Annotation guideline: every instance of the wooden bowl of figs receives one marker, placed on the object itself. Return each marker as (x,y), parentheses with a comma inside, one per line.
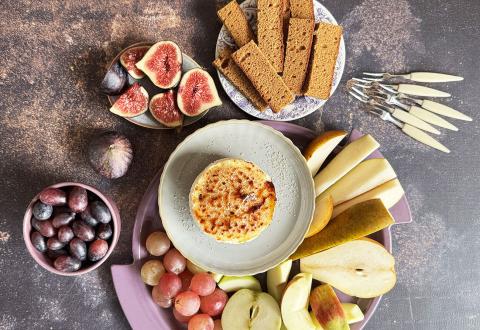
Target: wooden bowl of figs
(71,228)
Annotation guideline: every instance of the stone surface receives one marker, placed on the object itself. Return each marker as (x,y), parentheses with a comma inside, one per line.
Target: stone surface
(54,54)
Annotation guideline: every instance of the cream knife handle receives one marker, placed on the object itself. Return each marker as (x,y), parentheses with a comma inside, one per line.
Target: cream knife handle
(414,121)
(444,110)
(432,77)
(423,137)
(421,90)
(431,118)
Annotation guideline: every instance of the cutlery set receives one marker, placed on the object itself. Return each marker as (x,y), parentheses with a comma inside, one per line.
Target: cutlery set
(403,105)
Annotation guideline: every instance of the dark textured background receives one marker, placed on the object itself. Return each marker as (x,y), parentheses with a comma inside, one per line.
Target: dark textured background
(53,55)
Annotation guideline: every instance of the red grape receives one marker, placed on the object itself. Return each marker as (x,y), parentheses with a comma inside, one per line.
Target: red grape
(160,299)
(217,325)
(201,322)
(170,285)
(157,243)
(77,199)
(181,318)
(186,277)
(174,262)
(214,303)
(203,284)
(53,196)
(187,303)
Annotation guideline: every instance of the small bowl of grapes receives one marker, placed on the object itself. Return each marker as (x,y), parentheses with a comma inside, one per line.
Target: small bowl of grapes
(71,228)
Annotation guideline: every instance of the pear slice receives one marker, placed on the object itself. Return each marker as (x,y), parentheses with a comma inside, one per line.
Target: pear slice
(358,221)
(327,308)
(235,283)
(389,192)
(321,216)
(353,313)
(348,158)
(277,278)
(294,305)
(194,269)
(248,309)
(364,177)
(359,268)
(319,149)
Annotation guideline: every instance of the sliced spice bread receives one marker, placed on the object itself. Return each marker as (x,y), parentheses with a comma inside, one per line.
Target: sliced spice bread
(302,9)
(299,44)
(270,31)
(322,67)
(263,76)
(236,23)
(234,74)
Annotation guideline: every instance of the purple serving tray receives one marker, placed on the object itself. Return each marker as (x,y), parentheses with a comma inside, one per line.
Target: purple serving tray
(135,296)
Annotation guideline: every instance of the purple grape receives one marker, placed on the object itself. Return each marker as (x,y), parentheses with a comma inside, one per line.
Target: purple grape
(67,264)
(35,223)
(53,196)
(38,241)
(83,231)
(62,219)
(54,254)
(97,250)
(42,211)
(44,227)
(86,216)
(78,249)
(104,231)
(65,234)
(54,244)
(100,212)
(77,199)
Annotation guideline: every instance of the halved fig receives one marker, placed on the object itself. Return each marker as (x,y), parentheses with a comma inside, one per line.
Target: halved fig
(163,108)
(197,93)
(130,57)
(132,103)
(162,64)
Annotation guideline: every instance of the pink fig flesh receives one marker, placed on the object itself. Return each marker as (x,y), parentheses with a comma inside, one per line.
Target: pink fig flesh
(132,103)
(132,56)
(163,108)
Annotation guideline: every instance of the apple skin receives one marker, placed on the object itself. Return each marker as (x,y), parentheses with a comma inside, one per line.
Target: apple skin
(235,283)
(327,308)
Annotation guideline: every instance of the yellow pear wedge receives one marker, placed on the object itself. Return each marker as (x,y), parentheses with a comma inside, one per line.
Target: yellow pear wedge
(364,177)
(389,192)
(319,149)
(294,305)
(277,278)
(358,221)
(359,268)
(321,216)
(353,313)
(348,158)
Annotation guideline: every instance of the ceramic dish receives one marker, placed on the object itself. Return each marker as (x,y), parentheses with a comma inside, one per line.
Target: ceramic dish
(146,119)
(135,296)
(303,105)
(274,154)
(43,260)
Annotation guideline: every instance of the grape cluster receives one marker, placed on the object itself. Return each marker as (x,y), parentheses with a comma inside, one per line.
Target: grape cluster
(72,227)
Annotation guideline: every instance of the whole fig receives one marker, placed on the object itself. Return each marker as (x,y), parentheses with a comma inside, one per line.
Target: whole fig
(110,154)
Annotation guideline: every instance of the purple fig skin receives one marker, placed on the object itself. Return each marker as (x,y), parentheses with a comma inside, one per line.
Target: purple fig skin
(114,80)
(110,154)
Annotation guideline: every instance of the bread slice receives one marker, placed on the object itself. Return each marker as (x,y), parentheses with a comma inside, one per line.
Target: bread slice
(270,31)
(322,66)
(234,74)
(302,9)
(263,76)
(299,44)
(234,19)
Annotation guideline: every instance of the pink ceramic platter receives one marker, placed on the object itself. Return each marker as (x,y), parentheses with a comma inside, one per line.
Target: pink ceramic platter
(135,296)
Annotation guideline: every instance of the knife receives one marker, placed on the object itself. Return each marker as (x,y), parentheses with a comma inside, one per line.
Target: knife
(407,118)
(429,77)
(442,109)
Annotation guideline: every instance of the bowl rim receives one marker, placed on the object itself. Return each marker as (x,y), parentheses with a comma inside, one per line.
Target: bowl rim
(36,255)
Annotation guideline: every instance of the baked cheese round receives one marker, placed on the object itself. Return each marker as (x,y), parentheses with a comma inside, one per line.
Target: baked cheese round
(233,200)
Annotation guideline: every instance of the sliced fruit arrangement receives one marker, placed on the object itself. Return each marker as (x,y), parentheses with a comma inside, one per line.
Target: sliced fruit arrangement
(132,103)
(131,57)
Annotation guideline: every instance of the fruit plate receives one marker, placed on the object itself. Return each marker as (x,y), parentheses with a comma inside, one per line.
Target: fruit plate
(135,296)
(146,119)
(303,105)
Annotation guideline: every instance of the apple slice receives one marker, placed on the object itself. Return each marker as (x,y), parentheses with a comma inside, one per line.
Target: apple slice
(364,177)
(194,269)
(319,149)
(327,308)
(277,278)
(322,214)
(353,313)
(295,303)
(235,283)
(248,309)
(358,221)
(360,268)
(389,192)
(348,158)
